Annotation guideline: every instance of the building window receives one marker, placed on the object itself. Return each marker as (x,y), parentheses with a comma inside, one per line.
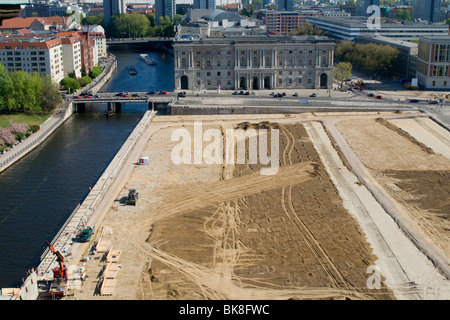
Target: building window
(218,73)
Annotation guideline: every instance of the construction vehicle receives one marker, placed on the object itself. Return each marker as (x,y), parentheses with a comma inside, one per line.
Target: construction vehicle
(59,273)
(132,197)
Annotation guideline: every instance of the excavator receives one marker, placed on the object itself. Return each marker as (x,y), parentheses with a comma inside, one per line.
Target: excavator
(61,271)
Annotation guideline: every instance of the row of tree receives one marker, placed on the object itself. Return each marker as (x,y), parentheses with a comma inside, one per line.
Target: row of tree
(135,25)
(375,59)
(72,83)
(27,92)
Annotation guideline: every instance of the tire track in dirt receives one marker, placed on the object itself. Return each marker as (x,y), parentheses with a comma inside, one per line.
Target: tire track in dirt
(328,266)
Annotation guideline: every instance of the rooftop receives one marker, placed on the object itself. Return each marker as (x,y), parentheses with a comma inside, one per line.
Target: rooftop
(361,22)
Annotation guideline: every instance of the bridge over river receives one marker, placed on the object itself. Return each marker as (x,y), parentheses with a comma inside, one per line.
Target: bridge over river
(116,100)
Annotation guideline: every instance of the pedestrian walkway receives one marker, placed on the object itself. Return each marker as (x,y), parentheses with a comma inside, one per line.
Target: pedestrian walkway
(28,144)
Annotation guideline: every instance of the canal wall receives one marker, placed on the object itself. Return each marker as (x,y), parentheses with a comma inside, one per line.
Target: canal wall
(51,124)
(85,214)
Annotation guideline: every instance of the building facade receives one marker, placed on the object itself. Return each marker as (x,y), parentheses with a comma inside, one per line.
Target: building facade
(284,22)
(41,55)
(253,62)
(428,10)
(164,8)
(350,28)
(362,5)
(112,7)
(433,63)
(285,5)
(205,4)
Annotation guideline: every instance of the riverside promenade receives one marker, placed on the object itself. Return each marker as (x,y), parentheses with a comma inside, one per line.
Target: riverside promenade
(61,114)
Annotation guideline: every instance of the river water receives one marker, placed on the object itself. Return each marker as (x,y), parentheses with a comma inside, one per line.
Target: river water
(40,191)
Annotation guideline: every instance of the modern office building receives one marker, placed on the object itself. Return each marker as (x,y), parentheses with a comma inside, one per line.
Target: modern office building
(285,5)
(350,28)
(164,8)
(433,62)
(205,4)
(428,10)
(112,7)
(362,5)
(253,62)
(284,22)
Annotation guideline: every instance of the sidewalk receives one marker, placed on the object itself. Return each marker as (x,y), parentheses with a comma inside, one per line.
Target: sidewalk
(22,148)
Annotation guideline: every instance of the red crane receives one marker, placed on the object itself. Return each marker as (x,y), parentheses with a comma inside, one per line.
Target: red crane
(61,271)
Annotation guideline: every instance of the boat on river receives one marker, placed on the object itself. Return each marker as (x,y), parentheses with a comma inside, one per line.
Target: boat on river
(132,71)
(147,59)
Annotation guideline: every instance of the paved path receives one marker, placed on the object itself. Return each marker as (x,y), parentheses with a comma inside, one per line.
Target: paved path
(21,149)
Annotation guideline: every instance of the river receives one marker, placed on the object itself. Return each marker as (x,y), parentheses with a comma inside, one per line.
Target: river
(40,191)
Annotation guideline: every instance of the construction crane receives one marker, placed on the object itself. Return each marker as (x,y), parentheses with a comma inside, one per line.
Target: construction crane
(61,271)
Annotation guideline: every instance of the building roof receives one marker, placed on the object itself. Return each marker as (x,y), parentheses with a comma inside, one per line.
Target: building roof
(20,23)
(219,15)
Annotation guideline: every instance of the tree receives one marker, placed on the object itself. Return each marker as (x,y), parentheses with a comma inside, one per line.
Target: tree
(307,29)
(343,71)
(70,84)
(130,25)
(6,89)
(372,58)
(95,72)
(50,97)
(27,90)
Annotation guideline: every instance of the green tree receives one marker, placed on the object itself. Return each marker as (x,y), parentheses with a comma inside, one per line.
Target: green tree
(27,91)
(95,72)
(90,20)
(131,25)
(372,58)
(84,80)
(342,72)
(307,29)
(50,97)
(6,89)
(70,84)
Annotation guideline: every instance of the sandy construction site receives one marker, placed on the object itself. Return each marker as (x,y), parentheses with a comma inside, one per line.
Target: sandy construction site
(358,209)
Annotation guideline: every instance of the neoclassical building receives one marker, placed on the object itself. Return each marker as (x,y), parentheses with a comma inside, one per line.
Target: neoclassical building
(253,62)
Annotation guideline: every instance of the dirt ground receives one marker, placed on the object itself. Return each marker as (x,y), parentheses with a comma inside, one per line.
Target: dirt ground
(410,170)
(224,231)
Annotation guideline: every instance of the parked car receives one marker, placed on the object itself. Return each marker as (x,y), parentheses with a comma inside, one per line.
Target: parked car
(247,93)
(163,92)
(278,95)
(313,95)
(379,97)
(371,95)
(434,102)
(135,95)
(182,94)
(414,100)
(86,234)
(97,96)
(295,94)
(235,93)
(241,92)
(124,95)
(151,92)
(77,97)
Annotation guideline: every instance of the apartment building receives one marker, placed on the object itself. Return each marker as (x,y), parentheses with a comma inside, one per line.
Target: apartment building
(433,62)
(253,62)
(71,48)
(41,55)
